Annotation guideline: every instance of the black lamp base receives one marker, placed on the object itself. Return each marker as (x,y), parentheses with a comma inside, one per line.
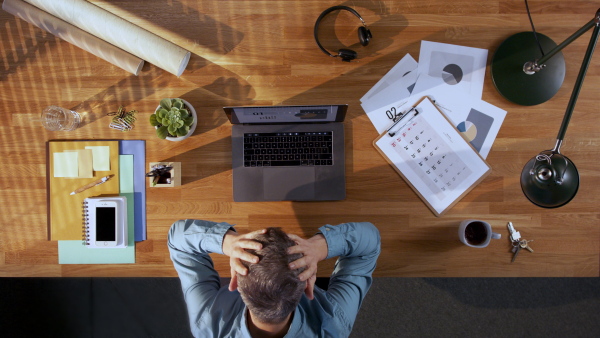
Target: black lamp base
(550,183)
(510,79)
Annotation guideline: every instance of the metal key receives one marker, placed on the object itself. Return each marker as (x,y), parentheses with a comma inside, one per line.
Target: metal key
(518,248)
(525,245)
(515,236)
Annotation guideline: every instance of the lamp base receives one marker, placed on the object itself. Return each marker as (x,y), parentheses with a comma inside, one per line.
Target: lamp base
(510,79)
(550,180)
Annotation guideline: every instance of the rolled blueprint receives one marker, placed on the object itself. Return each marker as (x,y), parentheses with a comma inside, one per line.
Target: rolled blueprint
(119,32)
(74,35)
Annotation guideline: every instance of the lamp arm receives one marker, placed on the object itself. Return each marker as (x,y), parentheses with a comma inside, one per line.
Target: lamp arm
(578,83)
(575,36)
(532,67)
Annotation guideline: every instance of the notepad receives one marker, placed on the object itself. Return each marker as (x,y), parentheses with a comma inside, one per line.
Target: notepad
(432,156)
(95,222)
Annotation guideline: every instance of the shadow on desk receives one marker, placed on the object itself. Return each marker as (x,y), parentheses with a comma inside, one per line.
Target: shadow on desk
(218,153)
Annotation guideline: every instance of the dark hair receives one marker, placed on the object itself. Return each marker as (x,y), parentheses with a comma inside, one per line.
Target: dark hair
(271,290)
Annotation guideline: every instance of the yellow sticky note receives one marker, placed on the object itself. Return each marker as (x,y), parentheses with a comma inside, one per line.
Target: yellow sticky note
(85,160)
(101,157)
(66,164)
(85,163)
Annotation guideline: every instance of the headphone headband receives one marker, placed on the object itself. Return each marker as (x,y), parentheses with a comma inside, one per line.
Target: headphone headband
(337,8)
(363,33)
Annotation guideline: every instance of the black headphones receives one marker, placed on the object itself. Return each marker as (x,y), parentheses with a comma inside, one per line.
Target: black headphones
(364,34)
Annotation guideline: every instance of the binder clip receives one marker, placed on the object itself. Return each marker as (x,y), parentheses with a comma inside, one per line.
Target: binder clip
(122,120)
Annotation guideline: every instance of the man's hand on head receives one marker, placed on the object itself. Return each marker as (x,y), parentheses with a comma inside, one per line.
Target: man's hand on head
(313,250)
(234,246)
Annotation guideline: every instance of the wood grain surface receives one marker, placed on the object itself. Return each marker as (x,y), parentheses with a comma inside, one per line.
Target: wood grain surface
(263,53)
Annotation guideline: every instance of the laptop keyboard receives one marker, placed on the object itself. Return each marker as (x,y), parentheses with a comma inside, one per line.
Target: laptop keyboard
(288,149)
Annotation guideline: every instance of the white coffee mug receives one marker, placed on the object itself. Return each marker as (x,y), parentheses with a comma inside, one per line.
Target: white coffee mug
(476,234)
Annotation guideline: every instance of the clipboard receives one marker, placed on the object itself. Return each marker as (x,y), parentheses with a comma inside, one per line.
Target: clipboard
(432,156)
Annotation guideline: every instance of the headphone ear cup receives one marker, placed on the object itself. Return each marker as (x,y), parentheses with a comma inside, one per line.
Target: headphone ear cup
(364,35)
(347,54)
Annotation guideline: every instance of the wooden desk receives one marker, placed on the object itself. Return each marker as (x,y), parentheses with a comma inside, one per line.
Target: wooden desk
(263,53)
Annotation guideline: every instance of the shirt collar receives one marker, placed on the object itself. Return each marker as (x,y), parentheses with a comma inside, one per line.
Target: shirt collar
(292,331)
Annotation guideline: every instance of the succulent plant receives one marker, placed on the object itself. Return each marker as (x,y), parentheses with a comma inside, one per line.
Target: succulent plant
(171,119)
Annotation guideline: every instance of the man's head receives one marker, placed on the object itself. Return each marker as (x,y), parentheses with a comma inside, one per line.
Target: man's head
(271,290)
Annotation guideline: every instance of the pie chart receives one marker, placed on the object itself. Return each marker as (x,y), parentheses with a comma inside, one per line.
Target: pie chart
(452,74)
(468,130)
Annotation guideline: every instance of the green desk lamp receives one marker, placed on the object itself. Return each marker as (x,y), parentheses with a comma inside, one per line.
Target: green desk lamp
(550,179)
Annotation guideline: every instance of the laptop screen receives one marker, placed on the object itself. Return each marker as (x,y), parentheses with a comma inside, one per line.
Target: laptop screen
(286,114)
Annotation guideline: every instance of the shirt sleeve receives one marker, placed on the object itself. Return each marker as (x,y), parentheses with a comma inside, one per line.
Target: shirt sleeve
(358,247)
(190,242)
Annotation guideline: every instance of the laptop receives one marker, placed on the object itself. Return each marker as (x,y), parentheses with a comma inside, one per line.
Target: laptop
(288,153)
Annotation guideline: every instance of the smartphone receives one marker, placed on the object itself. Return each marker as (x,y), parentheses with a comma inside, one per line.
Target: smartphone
(106,224)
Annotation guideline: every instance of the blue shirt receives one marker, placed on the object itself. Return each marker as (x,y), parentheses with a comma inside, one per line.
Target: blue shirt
(214,311)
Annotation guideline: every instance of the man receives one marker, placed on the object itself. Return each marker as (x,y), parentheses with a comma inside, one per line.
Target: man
(264,303)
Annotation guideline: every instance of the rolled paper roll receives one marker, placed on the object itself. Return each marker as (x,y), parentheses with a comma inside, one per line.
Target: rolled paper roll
(74,35)
(119,32)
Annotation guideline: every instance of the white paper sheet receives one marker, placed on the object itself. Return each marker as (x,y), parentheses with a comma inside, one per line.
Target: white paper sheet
(399,72)
(399,90)
(383,117)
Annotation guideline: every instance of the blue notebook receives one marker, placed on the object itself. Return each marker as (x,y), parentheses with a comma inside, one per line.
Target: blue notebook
(137,148)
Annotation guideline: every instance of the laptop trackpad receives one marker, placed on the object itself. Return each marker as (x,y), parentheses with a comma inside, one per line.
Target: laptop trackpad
(289,184)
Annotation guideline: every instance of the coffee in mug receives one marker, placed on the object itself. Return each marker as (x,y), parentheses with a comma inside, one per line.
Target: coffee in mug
(476,233)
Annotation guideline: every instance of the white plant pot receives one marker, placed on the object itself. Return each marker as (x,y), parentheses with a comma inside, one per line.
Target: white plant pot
(192,127)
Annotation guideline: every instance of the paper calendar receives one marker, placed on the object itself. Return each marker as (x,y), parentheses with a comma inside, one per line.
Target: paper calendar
(432,156)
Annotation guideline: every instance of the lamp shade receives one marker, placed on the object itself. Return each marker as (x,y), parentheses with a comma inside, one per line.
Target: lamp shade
(550,179)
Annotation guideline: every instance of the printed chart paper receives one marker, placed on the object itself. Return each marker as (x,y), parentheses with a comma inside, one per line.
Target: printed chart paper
(452,76)
(452,67)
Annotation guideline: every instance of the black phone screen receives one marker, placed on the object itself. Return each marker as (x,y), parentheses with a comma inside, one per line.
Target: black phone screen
(105,224)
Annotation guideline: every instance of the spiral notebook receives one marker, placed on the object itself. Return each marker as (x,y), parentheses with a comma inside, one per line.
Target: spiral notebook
(432,156)
(91,218)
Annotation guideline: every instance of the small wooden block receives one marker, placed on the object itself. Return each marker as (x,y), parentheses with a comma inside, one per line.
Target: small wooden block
(175,175)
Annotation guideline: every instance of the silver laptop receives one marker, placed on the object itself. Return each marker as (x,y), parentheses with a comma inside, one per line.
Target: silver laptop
(288,153)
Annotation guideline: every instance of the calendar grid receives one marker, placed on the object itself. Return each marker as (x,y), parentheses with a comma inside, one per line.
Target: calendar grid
(430,157)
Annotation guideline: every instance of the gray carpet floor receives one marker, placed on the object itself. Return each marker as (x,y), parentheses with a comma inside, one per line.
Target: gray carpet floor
(394,307)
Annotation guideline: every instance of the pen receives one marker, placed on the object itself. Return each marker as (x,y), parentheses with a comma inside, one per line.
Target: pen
(390,133)
(93,184)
